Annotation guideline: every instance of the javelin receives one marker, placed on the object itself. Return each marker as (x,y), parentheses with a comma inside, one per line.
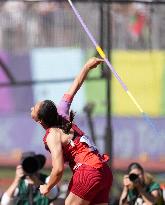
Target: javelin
(103,55)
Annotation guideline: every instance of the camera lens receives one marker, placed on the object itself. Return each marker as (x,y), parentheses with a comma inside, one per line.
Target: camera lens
(133,177)
(30,165)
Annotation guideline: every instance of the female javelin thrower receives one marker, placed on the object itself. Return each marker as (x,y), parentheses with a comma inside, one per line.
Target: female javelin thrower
(92,177)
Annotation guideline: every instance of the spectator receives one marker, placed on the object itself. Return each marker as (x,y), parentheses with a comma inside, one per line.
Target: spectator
(46,12)
(24,189)
(163,190)
(139,188)
(13,19)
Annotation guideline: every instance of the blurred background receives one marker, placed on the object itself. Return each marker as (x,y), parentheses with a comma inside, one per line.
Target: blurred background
(43,47)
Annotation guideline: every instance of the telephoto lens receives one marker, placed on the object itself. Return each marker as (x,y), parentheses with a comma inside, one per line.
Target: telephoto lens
(30,165)
(31,162)
(133,177)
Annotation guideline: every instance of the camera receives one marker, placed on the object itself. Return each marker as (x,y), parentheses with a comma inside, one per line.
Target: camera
(133,177)
(32,162)
(30,165)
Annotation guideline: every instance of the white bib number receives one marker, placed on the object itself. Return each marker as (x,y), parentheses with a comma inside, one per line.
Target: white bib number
(89,142)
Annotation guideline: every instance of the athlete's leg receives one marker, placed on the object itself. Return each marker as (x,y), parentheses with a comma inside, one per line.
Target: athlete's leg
(73,199)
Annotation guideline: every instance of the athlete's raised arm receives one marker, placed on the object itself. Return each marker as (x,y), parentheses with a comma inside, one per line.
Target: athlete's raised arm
(78,81)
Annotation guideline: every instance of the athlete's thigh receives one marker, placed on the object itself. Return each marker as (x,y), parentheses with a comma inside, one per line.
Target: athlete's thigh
(73,199)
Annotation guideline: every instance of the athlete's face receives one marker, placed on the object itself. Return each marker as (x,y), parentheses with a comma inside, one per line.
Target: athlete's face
(34,111)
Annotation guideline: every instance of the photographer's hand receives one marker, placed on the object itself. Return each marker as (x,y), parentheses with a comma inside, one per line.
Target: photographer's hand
(127,184)
(149,198)
(18,175)
(126,181)
(19,172)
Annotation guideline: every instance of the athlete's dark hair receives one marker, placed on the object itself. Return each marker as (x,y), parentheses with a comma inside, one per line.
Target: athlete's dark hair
(50,117)
(135,165)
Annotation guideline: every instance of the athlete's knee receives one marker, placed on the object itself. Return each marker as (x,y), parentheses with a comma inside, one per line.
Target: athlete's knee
(69,201)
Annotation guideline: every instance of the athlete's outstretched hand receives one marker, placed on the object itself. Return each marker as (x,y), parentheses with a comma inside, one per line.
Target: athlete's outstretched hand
(93,62)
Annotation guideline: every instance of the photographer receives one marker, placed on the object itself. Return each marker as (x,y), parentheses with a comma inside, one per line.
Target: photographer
(24,190)
(139,188)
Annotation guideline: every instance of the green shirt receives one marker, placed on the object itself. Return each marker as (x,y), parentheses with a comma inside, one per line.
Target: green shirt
(23,197)
(135,199)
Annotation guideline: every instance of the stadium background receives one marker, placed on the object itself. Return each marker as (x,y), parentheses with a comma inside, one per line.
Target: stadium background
(43,47)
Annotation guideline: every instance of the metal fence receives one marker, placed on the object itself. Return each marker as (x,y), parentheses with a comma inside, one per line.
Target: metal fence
(27,25)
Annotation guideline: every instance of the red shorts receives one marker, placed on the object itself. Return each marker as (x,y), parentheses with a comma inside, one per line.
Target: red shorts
(92,184)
